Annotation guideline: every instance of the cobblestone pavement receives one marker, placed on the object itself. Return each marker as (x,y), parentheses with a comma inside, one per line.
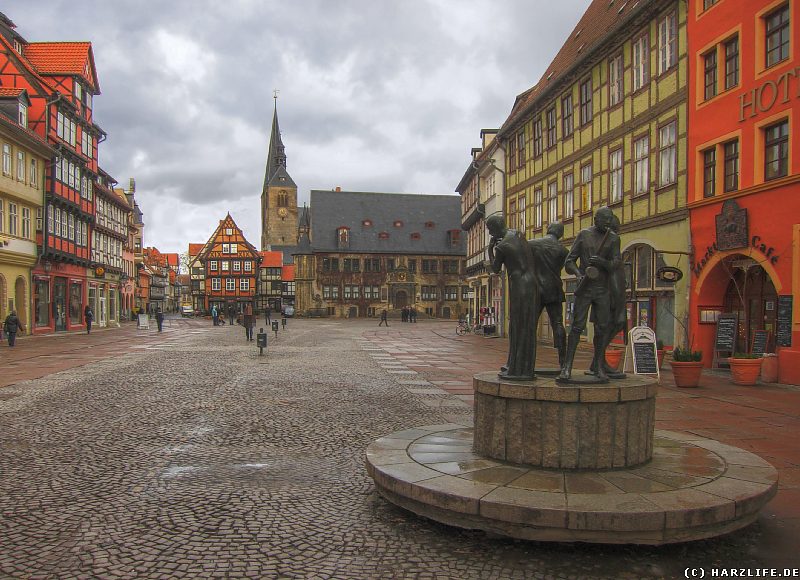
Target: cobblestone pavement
(193,457)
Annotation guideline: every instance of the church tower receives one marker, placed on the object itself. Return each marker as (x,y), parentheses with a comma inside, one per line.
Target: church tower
(278,196)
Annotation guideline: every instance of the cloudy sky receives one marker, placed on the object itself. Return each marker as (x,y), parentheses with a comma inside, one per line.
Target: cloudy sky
(375,95)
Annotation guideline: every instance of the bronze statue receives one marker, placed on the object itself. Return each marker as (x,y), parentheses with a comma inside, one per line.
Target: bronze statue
(548,258)
(509,248)
(594,256)
(619,312)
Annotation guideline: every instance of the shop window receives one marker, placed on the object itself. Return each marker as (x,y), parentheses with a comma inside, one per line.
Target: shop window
(75,303)
(41,302)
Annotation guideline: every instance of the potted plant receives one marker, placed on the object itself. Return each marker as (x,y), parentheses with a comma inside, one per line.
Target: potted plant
(660,352)
(745,368)
(614,356)
(687,366)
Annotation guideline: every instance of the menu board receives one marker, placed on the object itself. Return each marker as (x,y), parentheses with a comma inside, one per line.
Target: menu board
(726,333)
(645,361)
(783,335)
(759,342)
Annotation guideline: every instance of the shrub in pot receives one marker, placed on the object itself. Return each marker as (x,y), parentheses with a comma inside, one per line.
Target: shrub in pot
(614,356)
(687,366)
(745,368)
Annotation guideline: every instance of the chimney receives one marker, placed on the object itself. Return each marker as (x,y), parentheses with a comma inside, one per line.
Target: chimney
(132,186)
(338,188)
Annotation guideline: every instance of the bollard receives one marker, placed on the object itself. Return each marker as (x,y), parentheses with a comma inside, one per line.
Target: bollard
(275,327)
(283,321)
(261,341)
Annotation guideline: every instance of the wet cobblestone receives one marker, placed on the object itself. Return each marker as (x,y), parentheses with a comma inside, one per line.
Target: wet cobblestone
(200,459)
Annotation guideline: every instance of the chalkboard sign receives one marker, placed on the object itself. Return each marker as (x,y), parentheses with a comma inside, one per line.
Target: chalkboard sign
(760,338)
(726,333)
(783,336)
(645,361)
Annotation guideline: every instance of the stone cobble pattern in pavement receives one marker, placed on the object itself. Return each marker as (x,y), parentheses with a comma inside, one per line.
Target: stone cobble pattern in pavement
(194,457)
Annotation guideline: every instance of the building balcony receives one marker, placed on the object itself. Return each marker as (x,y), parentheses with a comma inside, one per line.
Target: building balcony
(473,216)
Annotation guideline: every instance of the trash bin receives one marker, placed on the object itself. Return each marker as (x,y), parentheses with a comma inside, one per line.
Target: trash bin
(769,368)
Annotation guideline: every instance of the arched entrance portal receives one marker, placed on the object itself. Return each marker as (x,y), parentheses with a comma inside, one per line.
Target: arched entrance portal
(400,299)
(752,296)
(20,301)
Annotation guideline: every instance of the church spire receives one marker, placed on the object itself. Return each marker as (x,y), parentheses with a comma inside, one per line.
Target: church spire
(276,155)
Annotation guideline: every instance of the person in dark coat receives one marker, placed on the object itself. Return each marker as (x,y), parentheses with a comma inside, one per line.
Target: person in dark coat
(248,321)
(12,325)
(215,315)
(548,257)
(412,314)
(510,249)
(159,319)
(384,318)
(231,313)
(404,314)
(88,316)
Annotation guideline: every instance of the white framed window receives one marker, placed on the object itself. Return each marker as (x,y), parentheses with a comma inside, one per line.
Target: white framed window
(23,115)
(248,266)
(641,60)
(216,284)
(20,165)
(72,227)
(667,155)
(521,210)
(6,159)
(50,219)
(12,218)
(667,42)
(33,178)
(226,265)
(641,167)
(213,265)
(552,202)
(228,231)
(226,248)
(569,195)
(615,87)
(537,208)
(2,216)
(586,188)
(234,248)
(38,219)
(230,283)
(615,176)
(244,284)
(237,266)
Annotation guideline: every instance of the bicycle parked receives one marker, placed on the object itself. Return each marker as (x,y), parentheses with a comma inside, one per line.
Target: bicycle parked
(464,328)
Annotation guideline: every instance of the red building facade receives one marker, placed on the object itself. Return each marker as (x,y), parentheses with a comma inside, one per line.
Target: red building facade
(61,82)
(744,175)
(231,264)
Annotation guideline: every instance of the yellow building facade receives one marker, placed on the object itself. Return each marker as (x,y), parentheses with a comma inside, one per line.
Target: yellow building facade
(24,157)
(606,126)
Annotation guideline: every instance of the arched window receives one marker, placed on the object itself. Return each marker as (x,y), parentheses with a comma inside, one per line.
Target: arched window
(343,237)
(283,198)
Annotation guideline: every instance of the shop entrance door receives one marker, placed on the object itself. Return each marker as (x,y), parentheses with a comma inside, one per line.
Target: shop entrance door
(101,310)
(60,303)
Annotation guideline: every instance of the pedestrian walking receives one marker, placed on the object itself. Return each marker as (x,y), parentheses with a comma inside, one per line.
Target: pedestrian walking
(267,315)
(231,313)
(159,319)
(214,315)
(11,326)
(404,314)
(413,314)
(88,316)
(248,320)
(384,318)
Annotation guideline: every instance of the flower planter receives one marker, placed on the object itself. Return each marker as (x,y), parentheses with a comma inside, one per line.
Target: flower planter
(613,357)
(687,374)
(745,371)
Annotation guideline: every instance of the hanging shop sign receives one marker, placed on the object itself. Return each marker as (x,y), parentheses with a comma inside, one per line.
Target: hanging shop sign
(669,274)
(99,272)
(732,231)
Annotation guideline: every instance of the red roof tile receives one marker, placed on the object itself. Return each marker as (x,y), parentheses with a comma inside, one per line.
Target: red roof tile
(271,259)
(63,58)
(172,259)
(10,92)
(195,249)
(287,273)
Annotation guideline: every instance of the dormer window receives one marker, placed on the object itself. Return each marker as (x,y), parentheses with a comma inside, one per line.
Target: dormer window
(366,224)
(398,224)
(429,225)
(383,236)
(454,238)
(23,115)
(18,46)
(78,89)
(343,237)
(416,236)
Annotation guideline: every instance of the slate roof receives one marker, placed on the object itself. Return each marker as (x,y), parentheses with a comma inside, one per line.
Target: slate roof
(602,19)
(331,210)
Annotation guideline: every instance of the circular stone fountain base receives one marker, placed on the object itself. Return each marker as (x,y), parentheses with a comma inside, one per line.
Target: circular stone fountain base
(693,488)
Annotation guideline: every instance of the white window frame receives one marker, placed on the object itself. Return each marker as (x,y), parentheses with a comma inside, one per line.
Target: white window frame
(6,159)
(213,265)
(587,193)
(33,178)
(2,216)
(616,89)
(244,284)
(226,248)
(667,151)
(20,166)
(667,42)
(641,61)
(225,266)
(23,115)
(537,208)
(641,165)
(237,266)
(569,195)
(248,266)
(230,284)
(234,248)
(552,202)
(216,284)
(13,213)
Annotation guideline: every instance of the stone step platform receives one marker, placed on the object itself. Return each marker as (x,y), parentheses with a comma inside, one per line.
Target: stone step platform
(693,488)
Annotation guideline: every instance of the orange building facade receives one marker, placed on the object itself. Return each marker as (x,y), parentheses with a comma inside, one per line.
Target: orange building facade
(230,264)
(744,175)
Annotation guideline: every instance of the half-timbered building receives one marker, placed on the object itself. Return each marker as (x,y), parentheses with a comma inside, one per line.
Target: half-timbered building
(231,264)
(60,81)
(606,125)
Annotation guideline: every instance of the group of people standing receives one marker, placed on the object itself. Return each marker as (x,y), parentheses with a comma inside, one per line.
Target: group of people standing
(408,314)
(534,278)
